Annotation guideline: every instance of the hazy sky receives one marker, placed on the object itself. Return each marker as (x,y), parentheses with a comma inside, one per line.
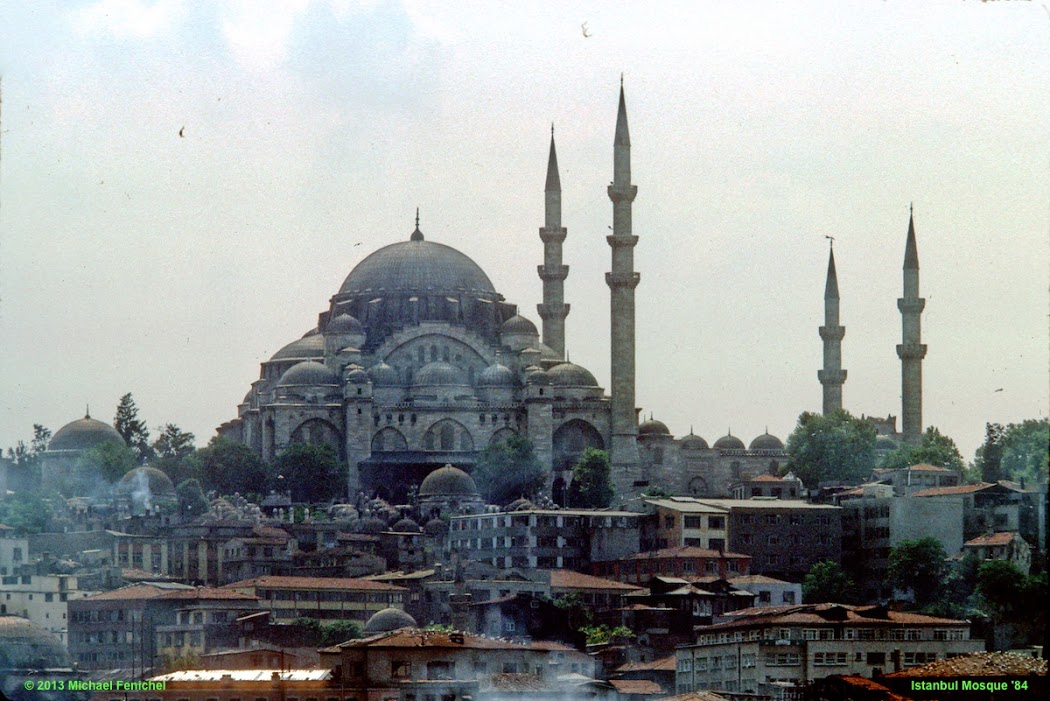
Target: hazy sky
(133,259)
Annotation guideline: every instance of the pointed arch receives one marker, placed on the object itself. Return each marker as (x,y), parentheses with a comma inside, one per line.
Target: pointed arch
(571,439)
(388,439)
(448,435)
(502,436)
(319,432)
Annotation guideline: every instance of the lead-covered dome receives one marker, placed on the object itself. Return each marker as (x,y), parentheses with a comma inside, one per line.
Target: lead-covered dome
(388,620)
(440,373)
(24,645)
(571,375)
(767,441)
(519,324)
(383,375)
(497,375)
(308,373)
(652,427)
(84,434)
(158,482)
(694,442)
(419,266)
(307,347)
(448,481)
(729,442)
(344,324)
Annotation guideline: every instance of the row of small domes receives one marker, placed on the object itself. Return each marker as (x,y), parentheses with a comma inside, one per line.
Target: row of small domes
(766,441)
(437,373)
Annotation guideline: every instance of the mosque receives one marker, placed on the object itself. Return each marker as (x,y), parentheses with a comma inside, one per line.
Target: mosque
(419,362)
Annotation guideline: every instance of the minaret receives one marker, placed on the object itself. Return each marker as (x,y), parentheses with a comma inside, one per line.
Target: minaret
(832,376)
(622,281)
(911,351)
(554,309)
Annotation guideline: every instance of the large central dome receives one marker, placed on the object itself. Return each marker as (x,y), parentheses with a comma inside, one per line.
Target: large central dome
(417,267)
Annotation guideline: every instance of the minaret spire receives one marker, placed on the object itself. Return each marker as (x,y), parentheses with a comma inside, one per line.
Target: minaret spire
(832,376)
(554,309)
(622,281)
(912,350)
(417,235)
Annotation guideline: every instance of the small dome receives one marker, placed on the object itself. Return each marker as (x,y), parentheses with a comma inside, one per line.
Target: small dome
(435,527)
(652,427)
(521,504)
(440,373)
(371,524)
(383,375)
(344,324)
(83,434)
(767,442)
(406,525)
(448,481)
(694,442)
(159,483)
(518,324)
(309,373)
(571,375)
(310,346)
(24,645)
(885,443)
(388,620)
(536,375)
(497,375)
(729,442)
(357,376)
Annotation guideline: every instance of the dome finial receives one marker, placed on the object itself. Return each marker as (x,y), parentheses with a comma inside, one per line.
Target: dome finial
(87,411)
(417,235)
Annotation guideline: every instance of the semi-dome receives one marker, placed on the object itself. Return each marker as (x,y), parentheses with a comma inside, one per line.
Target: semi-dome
(571,375)
(652,427)
(729,442)
(448,481)
(767,441)
(440,373)
(518,324)
(435,527)
(344,324)
(694,442)
(497,375)
(535,375)
(24,645)
(310,373)
(84,434)
(383,375)
(357,376)
(417,266)
(159,483)
(307,347)
(388,620)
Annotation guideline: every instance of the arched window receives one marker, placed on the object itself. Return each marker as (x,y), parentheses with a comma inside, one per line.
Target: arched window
(448,437)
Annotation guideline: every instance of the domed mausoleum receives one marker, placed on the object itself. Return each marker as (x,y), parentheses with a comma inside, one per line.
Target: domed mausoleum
(71,441)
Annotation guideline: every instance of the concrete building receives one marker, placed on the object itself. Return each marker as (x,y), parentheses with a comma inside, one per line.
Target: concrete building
(764,650)
(916,478)
(998,506)
(769,591)
(1008,546)
(545,539)
(874,522)
(41,598)
(688,561)
(327,600)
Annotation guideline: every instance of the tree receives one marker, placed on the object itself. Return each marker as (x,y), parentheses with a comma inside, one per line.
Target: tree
(827,582)
(508,470)
(174,453)
(920,566)
(228,466)
(934,449)
(26,513)
(989,457)
(1014,598)
(833,448)
(591,486)
(312,473)
(190,498)
(107,461)
(26,458)
(1026,451)
(132,429)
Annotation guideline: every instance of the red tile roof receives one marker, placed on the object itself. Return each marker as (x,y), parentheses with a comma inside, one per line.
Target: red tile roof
(684,551)
(416,638)
(642,687)
(1003,538)
(664,664)
(136,592)
(825,614)
(206,593)
(276,582)
(979,664)
(926,467)
(567,579)
(767,478)
(958,489)
(697,696)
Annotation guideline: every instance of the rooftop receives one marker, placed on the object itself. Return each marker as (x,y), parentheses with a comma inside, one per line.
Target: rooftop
(568,579)
(684,551)
(276,582)
(979,664)
(416,638)
(245,675)
(819,614)
(1003,538)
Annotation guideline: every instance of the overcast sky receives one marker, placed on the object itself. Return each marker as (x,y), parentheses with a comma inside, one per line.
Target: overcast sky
(135,258)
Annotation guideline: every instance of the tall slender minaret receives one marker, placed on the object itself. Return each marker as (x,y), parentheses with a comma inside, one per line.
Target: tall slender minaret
(832,376)
(622,281)
(911,351)
(554,309)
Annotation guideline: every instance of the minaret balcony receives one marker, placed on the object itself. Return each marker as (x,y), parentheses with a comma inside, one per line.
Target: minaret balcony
(622,193)
(552,273)
(553,235)
(629,280)
(832,333)
(552,311)
(831,377)
(615,240)
(911,351)
(914,305)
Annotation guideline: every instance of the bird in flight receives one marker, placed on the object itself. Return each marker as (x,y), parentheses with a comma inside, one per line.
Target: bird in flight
(583,28)
(181,134)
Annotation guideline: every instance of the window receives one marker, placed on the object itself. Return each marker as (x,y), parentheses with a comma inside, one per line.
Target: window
(916,658)
(668,521)
(876,658)
(685,665)
(783,659)
(764,597)
(717,544)
(829,658)
(400,669)
(693,522)
(717,522)
(788,597)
